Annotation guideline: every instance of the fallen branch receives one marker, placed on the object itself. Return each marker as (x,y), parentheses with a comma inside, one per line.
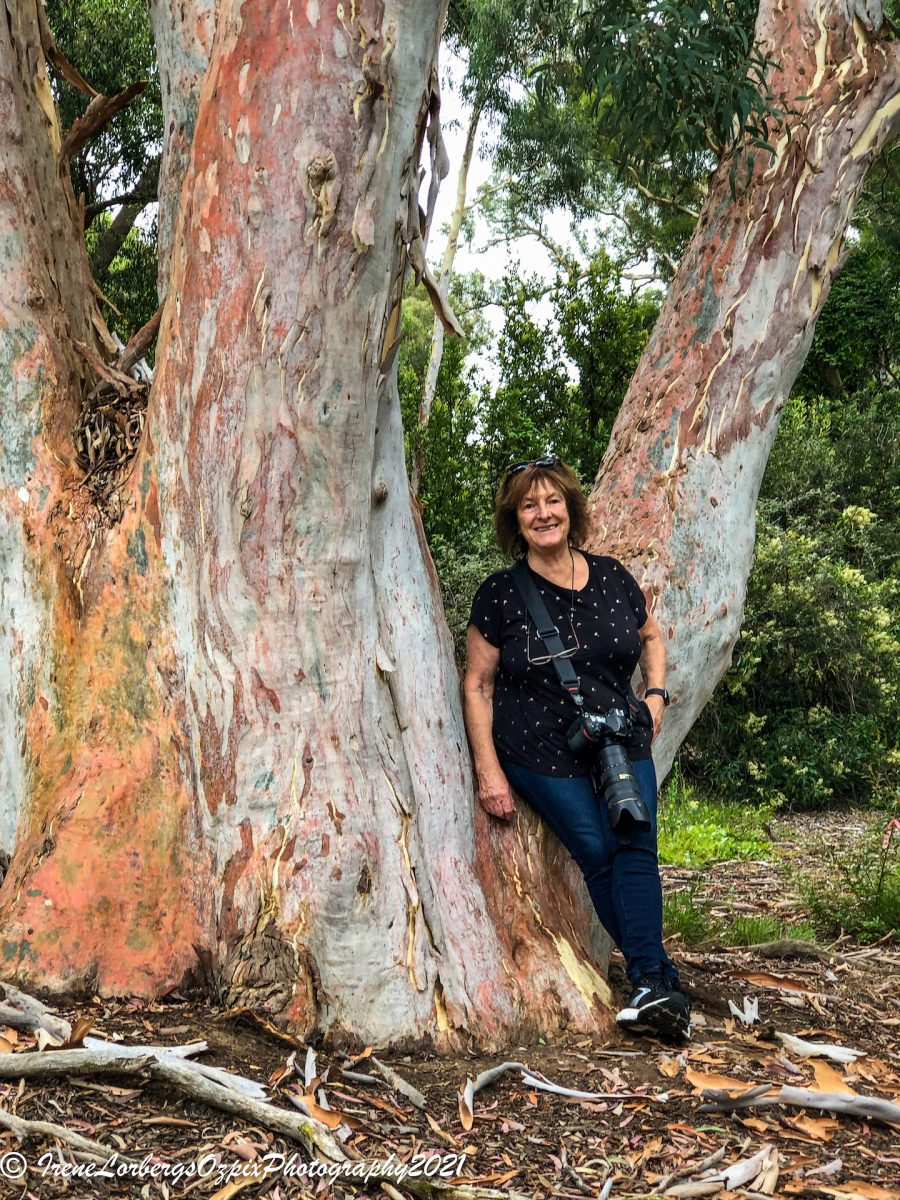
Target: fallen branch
(47,1064)
(181,1054)
(545,1085)
(178,1074)
(24,1012)
(27,1131)
(295,1125)
(863,1107)
(430,1190)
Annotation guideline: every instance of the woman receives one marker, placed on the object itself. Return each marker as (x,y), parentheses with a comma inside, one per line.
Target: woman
(518,714)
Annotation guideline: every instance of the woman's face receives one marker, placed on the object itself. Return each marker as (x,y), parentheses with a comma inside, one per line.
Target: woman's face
(544,518)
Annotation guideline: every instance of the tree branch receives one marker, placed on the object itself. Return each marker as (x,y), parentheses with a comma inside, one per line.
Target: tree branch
(94,117)
(145,190)
(140,342)
(111,240)
(53,53)
(661,200)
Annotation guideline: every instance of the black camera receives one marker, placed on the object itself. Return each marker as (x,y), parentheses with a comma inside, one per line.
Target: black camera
(601,735)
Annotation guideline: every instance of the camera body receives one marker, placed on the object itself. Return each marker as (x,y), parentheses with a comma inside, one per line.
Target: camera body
(601,735)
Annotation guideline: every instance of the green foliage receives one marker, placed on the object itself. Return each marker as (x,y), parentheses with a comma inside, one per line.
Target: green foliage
(618,108)
(695,830)
(861,894)
(688,918)
(807,715)
(667,77)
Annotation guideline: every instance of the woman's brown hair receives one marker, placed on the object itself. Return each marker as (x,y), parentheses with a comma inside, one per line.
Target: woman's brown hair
(515,488)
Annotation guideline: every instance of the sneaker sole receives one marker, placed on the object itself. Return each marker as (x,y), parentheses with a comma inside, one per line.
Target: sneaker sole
(655,1018)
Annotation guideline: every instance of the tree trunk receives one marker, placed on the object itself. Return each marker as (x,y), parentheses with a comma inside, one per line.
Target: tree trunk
(252,740)
(676,492)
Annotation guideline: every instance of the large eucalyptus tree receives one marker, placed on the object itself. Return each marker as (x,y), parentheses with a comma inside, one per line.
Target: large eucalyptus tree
(229,719)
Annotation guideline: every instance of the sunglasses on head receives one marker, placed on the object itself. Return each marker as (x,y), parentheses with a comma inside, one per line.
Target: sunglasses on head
(549,460)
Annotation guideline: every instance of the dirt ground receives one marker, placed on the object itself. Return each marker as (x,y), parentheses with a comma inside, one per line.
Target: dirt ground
(647,1135)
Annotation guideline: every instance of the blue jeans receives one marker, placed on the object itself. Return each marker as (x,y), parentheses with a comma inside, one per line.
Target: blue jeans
(622,877)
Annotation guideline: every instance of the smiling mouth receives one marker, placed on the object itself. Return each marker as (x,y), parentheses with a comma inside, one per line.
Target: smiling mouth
(545,528)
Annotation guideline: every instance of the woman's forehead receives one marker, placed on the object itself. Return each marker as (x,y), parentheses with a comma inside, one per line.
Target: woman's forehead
(542,489)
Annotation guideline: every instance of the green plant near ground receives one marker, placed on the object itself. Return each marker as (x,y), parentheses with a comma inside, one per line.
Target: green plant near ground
(695,830)
(861,896)
(751,931)
(688,918)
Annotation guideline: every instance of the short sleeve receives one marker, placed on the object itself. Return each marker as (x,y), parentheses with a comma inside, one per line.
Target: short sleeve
(635,595)
(487,611)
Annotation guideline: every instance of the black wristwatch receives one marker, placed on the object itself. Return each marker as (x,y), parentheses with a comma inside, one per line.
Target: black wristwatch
(658,692)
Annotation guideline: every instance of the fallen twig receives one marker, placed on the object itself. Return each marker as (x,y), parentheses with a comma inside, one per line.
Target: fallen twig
(737,1175)
(692,1169)
(31,1130)
(570,1170)
(399,1083)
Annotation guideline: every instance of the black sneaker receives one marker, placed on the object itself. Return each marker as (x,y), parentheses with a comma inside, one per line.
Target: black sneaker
(656,1007)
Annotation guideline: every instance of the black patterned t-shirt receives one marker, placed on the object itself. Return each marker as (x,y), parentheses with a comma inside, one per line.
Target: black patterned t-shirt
(532,712)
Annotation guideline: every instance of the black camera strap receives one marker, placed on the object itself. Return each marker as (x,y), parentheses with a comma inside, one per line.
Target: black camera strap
(536,611)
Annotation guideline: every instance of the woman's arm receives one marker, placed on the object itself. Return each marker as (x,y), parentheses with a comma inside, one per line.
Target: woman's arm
(482,660)
(653,667)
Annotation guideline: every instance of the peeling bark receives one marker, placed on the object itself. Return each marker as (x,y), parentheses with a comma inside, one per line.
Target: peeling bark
(676,492)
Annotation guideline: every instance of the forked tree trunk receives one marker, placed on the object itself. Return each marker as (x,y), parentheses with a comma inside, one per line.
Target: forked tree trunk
(676,492)
(231,717)
(250,738)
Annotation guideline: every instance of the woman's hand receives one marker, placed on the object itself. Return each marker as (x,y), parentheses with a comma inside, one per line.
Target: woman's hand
(657,707)
(495,794)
